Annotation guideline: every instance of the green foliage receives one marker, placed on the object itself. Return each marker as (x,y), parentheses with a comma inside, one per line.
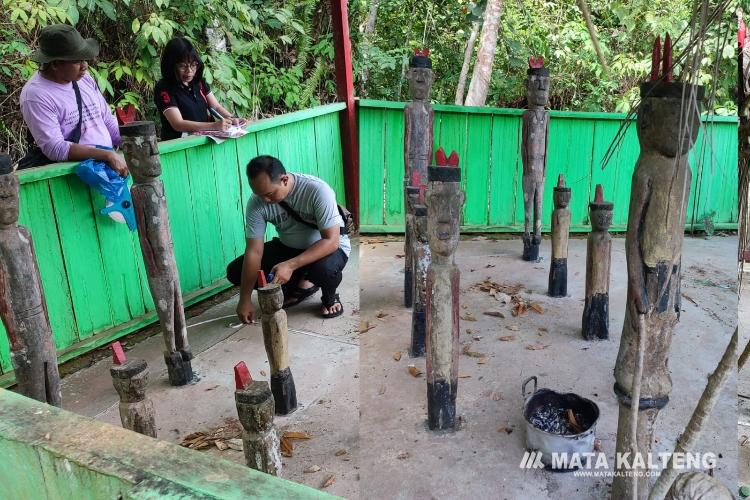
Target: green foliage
(555,30)
(279,55)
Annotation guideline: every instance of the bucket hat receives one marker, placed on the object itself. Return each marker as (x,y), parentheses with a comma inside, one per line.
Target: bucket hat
(62,42)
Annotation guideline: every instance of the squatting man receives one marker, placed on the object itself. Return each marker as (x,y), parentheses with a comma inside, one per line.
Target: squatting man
(311,249)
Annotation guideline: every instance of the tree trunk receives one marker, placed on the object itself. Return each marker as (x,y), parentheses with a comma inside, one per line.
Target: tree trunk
(592,33)
(372,16)
(467,61)
(480,79)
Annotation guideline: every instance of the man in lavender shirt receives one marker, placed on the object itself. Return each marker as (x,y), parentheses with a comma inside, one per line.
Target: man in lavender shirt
(49,107)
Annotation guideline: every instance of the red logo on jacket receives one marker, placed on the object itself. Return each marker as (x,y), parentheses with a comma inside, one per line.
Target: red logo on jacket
(165,97)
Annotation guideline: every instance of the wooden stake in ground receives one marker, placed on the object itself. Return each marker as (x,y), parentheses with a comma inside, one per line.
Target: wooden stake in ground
(22,305)
(558,270)
(656,222)
(698,485)
(421,263)
(418,118)
(150,204)
(445,200)
(595,324)
(410,199)
(534,155)
(130,379)
(276,339)
(260,441)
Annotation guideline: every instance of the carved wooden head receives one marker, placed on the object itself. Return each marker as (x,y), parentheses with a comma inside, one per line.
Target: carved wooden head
(537,90)
(420,83)
(668,122)
(561,193)
(8,199)
(272,298)
(141,150)
(600,211)
(444,199)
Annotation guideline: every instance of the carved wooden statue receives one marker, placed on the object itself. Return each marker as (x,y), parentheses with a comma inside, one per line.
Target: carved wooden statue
(534,155)
(260,441)
(150,203)
(558,270)
(418,116)
(130,379)
(412,193)
(656,222)
(421,263)
(444,200)
(276,339)
(595,324)
(22,305)
(698,485)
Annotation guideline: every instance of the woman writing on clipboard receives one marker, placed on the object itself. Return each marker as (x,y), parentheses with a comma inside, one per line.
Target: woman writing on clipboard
(184,100)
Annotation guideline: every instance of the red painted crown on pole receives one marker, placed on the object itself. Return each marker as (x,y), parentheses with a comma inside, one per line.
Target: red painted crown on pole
(118,354)
(665,61)
(536,62)
(242,378)
(442,161)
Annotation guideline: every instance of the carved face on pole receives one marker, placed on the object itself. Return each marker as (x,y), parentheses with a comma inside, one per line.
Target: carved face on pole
(134,136)
(561,197)
(444,202)
(537,89)
(8,199)
(601,216)
(669,117)
(273,298)
(420,75)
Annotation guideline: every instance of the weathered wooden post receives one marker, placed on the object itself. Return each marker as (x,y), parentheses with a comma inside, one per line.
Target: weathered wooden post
(444,201)
(534,155)
(150,204)
(668,123)
(421,263)
(276,339)
(558,269)
(595,324)
(412,192)
(698,485)
(260,441)
(22,305)
(130,379)
(418,117)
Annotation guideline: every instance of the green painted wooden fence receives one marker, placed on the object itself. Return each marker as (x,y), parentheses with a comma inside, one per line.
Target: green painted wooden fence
(488,142)
(91,267)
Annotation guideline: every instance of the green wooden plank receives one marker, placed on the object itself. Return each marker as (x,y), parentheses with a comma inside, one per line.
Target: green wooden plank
(372,165)
(328,153)
(247,149)
(202,168)
(506,170)
(569,152)
(449,132)
(228,194)
(714,156)
(268,143)
(178,191)
(82,253)
(393,210)
(475,169)
(296,149)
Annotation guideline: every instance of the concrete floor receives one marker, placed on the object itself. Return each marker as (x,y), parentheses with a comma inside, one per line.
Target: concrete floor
(324,358)
(402,459)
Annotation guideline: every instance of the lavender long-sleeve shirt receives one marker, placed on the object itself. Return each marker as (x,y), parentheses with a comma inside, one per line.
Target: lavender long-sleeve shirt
(51,113)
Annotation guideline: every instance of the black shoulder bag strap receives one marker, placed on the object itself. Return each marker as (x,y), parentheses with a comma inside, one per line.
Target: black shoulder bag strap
(75,136)
(295,215)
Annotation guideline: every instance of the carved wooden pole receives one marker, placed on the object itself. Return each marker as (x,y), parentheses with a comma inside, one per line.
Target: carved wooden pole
(697,485)
(534,155)
(255,410)
(421,263)
(150,204)
(410,199)
(444,200)
(653,245)
(595,324)
(558,270)
(276,339)
(130,379)
(22,305)
(418,117)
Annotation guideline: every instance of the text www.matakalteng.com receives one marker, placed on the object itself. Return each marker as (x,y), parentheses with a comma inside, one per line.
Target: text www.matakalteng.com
(616,473)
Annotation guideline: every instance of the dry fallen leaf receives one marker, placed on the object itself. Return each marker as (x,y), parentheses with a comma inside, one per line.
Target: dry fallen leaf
(212,388)
(296,435)
(263,373)
(365,327)
(381,390)
(381,315)
(235,444)
(340,452)
(403,455)
(467,351)
(464,376)
(572,421)
(543,329)
(494,314)
(286,447)
(468,317)
(505,429)
(537,347)
(597,445)
(329,481)
(507,338)
(536,306)
(415,372)
(221,445)
(477,337)
(311,469)
(400,256)
(496,396)
(513,328)
(470,331)
(397,355)
(483,361)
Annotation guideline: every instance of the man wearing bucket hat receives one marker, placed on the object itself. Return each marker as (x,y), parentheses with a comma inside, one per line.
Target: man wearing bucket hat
(61,104)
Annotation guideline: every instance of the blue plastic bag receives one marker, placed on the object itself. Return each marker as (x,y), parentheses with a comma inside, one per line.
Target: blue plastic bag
(100,176)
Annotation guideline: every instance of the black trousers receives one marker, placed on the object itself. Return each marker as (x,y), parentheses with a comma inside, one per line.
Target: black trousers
(325,273)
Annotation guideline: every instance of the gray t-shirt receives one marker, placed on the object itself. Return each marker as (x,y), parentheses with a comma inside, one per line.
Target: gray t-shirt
(312,199)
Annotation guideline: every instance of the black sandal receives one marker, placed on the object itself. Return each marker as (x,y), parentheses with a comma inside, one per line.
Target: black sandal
(331,302)
(300,294)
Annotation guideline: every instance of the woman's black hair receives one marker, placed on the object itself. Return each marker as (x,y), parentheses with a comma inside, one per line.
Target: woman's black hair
(179,50)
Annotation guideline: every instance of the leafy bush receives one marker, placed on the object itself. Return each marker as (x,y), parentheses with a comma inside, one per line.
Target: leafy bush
(279,55)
